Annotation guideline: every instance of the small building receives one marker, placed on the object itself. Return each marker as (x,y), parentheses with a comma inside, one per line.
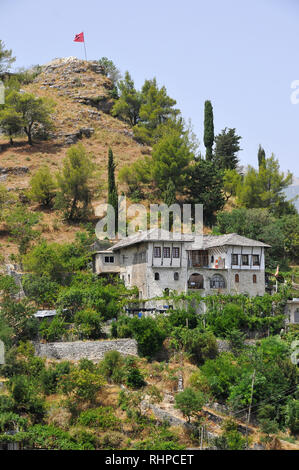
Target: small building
(292,311)
(157,261)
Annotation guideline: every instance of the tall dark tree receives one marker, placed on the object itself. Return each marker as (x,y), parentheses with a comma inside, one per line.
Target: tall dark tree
(204,185)
(112,188)
(261,155)
(209,130)
(227,148)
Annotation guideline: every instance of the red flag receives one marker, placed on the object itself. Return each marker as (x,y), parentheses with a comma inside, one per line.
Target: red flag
(79,37)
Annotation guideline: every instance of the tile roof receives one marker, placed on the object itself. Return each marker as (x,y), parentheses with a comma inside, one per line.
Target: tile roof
(208,241)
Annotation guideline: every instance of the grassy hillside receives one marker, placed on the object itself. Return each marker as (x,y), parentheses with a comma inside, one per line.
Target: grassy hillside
(81,94)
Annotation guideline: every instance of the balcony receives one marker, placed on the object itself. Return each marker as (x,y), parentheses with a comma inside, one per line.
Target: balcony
(198,259)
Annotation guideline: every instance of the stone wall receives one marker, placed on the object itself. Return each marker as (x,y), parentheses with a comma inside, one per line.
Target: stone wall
(93,350)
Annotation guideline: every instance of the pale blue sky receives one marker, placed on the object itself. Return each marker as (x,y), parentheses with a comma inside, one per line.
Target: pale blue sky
(240,54)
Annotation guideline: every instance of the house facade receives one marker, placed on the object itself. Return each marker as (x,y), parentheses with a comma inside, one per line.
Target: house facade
(157,261)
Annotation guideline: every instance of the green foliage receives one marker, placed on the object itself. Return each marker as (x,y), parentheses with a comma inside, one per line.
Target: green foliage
(261,156)
(110,69)
(42,187)
(230,439)
(147,335)
(18,316)
(190,402)
(227,148)
(112,367)
(171,156)
(41,289)
(10,122)
(53,330)
(88,323)
(51,376)
(74,195)
(82,385)
(134,378)
(209,130)
(199,345)
(259,224)
(33,111)
(232,317)
(155,110)
(20,222)
(263,188)
(6,58)
(103,418)
(127,107)
(292,416)
(204,185)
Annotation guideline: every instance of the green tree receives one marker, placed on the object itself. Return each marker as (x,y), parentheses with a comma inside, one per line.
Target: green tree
(231,182)
(10,122)
(155,110)
(227,148)
(20,222)
(204,185)
(109,69)
(88,323)
(73,182)
(112,188)
(33,111)
(261,156)
(42,186)
(127,107)
(6,58)
(292,416)
(171,156)
(189,402)
(264,188)
(209,130)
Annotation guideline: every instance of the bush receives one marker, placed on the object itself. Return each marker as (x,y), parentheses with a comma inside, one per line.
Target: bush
(292,416)
(50,377)
(147,335)
(199,345)
(53,330)
(89,324)
(135,378)
(112,367)
(103,418)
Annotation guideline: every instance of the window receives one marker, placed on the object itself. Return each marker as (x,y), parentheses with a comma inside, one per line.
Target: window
(157,277)
(176,276)
(217,282)
(199,258)
(166,252)
(157,252)
(245,260)
(237,278)
(256,260)
(296,316)
(109,259)
(254,279)
(212,259)
(129,279)
(235,260)
(175,252)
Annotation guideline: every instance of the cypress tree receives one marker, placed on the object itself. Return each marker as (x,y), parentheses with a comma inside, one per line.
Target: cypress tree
(261,155)
(112,188)
(208,130)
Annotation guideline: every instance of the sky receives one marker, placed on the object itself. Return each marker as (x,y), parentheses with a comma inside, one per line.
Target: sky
(241,55)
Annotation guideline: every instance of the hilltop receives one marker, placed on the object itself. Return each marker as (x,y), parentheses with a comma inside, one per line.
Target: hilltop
(82,97)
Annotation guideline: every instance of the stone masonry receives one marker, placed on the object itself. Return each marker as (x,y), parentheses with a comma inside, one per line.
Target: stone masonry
(93,350)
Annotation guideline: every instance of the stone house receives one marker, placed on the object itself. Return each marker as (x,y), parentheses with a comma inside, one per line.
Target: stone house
(292,311)
(157,261)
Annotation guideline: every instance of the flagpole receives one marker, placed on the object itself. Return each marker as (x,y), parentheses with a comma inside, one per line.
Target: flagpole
(84,46)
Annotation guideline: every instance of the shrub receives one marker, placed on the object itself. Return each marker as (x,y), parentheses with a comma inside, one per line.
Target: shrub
(53,330)
(112,366)
(103,418)
(135,378)
(292,416)
(89,324)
